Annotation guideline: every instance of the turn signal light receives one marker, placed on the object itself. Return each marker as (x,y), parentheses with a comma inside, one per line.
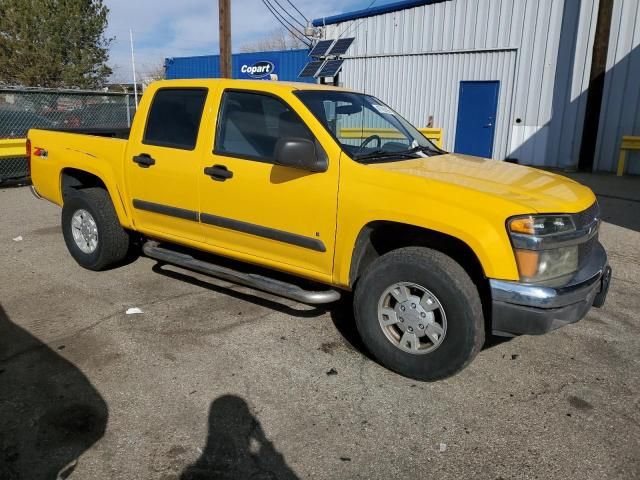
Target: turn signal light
(527,261)
(522,225)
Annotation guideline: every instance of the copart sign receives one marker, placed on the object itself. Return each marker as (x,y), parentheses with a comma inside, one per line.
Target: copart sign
(260,69)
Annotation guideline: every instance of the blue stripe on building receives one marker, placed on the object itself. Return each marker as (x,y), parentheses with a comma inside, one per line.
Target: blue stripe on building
(371,11)
(286,64)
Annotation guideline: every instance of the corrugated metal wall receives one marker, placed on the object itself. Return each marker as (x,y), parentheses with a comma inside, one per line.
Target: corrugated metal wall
(205,66)
(620,114)
(571,81)
(288,64)
(539,50)
(428,85)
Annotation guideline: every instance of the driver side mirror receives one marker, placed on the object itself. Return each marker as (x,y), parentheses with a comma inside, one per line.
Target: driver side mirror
(301,153)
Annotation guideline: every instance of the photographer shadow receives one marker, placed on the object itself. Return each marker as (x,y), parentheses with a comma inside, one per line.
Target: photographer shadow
(50,413)
(237,447)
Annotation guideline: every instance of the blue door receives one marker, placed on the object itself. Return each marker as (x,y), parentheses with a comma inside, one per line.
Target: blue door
(475,129)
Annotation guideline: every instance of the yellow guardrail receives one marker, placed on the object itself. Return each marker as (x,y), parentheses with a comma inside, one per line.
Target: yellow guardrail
(628,143)
(12,147)
(15,147)
(434,134)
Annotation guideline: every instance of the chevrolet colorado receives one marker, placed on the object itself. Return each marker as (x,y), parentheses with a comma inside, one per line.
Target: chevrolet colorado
(438,248)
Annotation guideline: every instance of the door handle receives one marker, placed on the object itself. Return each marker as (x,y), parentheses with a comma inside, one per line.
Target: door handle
(144,160)
(219,173)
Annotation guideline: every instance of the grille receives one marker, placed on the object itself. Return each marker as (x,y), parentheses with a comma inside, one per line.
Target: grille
(582,220)
(585,249)
(587,216)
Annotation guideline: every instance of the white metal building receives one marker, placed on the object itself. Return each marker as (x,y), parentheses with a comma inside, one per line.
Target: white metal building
(446,58)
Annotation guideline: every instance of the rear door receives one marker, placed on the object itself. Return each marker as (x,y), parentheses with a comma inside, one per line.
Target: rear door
(284,216)
(163,165)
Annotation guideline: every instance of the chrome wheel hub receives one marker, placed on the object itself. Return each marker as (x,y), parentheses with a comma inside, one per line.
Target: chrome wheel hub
(412,318)
(85,231)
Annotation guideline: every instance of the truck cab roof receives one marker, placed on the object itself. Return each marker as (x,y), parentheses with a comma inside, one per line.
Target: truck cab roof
(274,86)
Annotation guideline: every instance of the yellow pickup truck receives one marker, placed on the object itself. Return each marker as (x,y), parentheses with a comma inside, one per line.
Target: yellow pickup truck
(439,249)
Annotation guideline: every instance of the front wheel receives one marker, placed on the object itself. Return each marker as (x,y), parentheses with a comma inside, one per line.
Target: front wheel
(419,313)
(91,230)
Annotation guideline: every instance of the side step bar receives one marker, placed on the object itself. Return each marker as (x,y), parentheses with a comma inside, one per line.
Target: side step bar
(259,282)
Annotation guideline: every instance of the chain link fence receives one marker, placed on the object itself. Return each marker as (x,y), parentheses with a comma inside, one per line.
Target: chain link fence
(25,108)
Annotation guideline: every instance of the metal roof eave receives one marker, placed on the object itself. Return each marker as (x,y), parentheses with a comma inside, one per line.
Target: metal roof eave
(370,12)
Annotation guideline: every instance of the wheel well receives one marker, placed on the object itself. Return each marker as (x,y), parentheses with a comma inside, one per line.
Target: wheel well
(74,179)
(378,238)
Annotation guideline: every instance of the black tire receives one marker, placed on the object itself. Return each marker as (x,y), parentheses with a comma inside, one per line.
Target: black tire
(455,291)
(113,240)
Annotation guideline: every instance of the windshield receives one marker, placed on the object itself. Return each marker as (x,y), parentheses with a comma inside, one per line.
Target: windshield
(367,129)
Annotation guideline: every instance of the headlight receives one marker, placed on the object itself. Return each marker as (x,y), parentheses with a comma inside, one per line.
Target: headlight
(547,267)
(539,245)
(542,225)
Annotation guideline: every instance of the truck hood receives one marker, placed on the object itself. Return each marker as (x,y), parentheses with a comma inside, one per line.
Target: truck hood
(541,191)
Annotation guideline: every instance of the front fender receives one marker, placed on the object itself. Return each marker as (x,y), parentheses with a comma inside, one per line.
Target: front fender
(477,219)
(492,249)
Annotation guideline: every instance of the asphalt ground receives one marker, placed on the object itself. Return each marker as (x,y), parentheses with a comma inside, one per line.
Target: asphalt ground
(214,380)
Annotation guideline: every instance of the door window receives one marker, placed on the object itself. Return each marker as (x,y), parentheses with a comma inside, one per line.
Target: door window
(174,118)
(251,124)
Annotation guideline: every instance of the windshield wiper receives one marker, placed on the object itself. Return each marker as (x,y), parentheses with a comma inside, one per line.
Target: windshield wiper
(381,154)
(409,153)
(421,148)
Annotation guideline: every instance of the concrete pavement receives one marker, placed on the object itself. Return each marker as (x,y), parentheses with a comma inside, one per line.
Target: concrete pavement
(216,381)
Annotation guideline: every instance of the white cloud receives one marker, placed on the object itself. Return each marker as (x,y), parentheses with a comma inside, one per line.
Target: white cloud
(169,28)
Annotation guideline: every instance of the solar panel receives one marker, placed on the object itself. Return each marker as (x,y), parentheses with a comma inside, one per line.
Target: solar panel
(321,48)
(330,68)
(341,46)
(311,68)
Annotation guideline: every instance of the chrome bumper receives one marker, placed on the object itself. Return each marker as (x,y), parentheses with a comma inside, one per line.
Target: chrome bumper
(519,308)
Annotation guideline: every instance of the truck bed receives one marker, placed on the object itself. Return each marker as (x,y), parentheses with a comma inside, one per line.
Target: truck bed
(122,133)
(96,151)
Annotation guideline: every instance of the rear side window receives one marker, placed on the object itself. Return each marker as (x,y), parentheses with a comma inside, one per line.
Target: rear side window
(174,118)
(251,124)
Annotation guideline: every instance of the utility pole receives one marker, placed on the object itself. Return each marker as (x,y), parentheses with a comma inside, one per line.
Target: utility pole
(224,15)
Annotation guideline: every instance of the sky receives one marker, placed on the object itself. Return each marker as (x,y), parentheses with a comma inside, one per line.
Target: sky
(170,28)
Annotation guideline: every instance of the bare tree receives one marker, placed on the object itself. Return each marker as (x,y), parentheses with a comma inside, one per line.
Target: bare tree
(153,73)
(277,40)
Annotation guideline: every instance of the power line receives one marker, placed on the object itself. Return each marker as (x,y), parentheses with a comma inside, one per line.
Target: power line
(292,17)
(299,35)
(279,17)
(296,9)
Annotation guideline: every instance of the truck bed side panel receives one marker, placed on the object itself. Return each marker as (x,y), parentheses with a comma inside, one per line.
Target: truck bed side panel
(99,156)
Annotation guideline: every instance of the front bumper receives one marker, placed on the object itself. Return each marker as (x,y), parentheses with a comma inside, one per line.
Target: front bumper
(519,308)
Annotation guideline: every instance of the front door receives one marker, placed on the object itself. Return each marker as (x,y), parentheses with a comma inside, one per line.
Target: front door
(285,217)
(162,165)
(475,128)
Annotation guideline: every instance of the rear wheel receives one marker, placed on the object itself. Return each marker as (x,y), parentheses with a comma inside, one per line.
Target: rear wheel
(419,313)
(91,229)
